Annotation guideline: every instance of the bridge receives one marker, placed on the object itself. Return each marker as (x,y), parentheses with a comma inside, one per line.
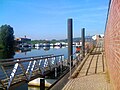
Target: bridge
(22,70)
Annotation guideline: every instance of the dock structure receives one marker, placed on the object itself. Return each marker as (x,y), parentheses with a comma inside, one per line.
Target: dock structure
(97,69)
(91,74)
(17,72)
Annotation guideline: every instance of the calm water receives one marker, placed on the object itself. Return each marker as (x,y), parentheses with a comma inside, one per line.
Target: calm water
(43,51)
(27,52)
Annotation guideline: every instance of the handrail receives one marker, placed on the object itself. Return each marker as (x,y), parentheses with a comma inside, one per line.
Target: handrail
(27,60)
(72,61)
(11,59)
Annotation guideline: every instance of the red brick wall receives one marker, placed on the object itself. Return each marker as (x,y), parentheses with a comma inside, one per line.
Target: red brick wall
(112,43)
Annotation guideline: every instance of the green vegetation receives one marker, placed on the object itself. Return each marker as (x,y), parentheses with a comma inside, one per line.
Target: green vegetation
(5,54)
(44,41)
(38,41)
(52,41)
(1,46)
(6,37)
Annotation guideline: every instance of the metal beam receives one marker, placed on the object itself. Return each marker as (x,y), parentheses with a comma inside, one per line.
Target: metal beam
(42,83)
(83,42)
(70,41)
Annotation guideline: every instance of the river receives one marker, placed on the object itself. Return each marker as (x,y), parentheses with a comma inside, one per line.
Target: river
(28,52)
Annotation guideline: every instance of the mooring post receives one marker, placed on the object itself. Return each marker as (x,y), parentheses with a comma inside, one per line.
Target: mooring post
(83,42)
(70,41)
(42,83)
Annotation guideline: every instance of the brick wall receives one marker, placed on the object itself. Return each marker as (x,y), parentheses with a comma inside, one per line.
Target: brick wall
(112,43)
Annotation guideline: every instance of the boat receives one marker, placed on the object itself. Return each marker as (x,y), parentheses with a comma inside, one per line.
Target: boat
(57,47)
(58,44)
(78,48)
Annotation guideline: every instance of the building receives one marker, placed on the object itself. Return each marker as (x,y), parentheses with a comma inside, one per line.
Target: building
(22,40)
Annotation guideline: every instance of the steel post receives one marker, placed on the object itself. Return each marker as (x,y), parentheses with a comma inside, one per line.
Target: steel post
(70,41)
(83,42)
(42,84)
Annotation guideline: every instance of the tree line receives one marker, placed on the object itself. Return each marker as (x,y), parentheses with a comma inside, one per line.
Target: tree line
(44,41)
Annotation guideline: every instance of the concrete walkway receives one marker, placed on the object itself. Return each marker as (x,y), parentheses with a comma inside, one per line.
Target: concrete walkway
(93,75)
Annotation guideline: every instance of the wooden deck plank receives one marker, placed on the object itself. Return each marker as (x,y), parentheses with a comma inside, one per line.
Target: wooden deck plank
(96,78)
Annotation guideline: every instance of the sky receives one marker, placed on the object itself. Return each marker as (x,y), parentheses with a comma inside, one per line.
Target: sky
(47,19)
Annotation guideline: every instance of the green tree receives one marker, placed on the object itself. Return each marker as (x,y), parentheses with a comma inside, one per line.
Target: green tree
(6,36)
(6,54)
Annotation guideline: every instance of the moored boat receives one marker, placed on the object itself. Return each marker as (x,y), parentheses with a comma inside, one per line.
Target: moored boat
(78,48)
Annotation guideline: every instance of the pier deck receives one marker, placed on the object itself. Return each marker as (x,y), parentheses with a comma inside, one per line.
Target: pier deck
(93,75)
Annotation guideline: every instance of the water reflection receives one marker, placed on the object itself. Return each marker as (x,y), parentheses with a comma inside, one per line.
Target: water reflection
(23,50)
(27,49)
(26,52)
(46,48)
(7,53)
(33,51)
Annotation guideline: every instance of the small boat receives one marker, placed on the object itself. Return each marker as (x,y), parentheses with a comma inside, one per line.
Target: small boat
(78,48)
(57,47)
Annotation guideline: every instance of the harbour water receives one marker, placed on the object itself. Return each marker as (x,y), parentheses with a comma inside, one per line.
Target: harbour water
(43,51)
(28,52)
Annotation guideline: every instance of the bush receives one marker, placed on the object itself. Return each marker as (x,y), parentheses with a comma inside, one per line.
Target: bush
(1,46)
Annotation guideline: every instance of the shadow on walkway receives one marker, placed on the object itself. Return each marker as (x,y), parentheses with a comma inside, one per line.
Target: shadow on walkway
(93,74)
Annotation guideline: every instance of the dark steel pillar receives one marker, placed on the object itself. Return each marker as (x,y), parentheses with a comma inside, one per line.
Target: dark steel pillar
(70,41)
(83,42)
(42,84)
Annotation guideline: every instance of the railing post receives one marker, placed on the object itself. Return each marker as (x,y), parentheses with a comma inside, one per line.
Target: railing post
(83,42)
(61,65)
(49,64)
(70,41)
(55,71)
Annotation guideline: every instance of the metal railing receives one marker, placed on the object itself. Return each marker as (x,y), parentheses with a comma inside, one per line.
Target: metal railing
(13,71)
(11,59)
(76,59)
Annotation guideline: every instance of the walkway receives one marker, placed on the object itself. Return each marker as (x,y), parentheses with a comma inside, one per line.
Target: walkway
(92,76)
